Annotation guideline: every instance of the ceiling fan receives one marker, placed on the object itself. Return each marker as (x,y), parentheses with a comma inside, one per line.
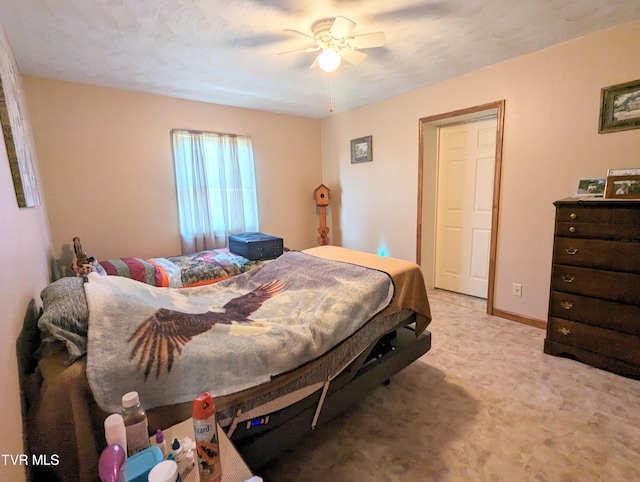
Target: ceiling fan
(331,37)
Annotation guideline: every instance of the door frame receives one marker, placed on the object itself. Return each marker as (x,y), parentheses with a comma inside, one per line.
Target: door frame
(448,118)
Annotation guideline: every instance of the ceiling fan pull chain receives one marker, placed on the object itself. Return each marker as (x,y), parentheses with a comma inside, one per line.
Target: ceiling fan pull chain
(330,94)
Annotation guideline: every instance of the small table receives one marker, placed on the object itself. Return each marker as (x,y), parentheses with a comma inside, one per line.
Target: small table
(234,468)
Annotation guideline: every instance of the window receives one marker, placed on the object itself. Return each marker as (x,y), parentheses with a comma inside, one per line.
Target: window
(216,187)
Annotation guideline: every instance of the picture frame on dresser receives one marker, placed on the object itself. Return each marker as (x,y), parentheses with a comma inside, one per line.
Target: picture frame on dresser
(623,187)
(591,187)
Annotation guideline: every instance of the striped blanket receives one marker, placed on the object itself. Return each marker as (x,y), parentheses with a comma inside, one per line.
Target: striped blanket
(177,271)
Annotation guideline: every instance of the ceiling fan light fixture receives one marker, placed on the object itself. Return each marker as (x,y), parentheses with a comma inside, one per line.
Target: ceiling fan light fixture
(329,60)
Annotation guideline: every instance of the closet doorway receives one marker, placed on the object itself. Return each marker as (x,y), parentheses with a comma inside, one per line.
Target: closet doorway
(460,156)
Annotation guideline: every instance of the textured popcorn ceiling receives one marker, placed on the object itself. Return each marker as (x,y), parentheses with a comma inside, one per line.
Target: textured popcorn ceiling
(226,51)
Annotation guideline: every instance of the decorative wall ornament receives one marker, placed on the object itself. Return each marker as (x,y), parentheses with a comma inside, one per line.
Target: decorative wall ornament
(16,130)
(321,195)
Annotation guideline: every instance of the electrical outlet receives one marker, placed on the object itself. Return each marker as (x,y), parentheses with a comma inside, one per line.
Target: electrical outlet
(517,289)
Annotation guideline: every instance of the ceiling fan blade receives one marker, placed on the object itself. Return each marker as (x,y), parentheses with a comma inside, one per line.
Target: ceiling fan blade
(352,56)
(341,27)
(300,51)
(366,41)
(314,65)
(308,38)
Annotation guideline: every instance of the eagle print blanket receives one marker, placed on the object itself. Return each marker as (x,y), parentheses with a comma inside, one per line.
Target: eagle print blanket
(172,344)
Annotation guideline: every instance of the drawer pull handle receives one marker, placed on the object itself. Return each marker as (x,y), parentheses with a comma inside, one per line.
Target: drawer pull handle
(567,305)
(571,251)
(573,216)
(564,331)
(572,229)
(568,278)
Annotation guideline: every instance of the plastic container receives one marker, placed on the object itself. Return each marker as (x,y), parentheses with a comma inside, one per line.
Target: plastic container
(166,471)
(161,443)
(206,435)
(140,464)
(111,465)
(114,431)
(135,422)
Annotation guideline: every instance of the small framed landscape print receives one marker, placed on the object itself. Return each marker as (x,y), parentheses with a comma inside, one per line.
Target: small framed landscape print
(620,107)
(623,187)
(591,187)
(361,150)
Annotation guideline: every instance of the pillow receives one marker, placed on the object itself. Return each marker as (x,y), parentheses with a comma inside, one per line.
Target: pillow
(65,315)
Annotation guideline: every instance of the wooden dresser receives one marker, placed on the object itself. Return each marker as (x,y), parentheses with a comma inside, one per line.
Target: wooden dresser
(594,307)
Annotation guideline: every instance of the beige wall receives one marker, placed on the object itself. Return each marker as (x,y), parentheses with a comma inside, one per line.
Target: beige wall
(107,168)
(24,257)
(551,141)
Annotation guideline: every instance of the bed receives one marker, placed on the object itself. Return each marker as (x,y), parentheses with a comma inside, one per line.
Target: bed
(363,322)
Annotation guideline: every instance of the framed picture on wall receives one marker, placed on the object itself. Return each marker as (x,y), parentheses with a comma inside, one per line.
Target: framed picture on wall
(361,150)
(16,131)
(620,107)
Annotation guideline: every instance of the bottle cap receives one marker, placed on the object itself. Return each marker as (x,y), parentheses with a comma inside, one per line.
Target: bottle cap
(203,407)
(176,444)
(130,399)
(115,431)
(159,437)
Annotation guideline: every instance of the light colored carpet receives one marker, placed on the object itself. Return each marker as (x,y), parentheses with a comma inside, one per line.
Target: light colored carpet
(484,404)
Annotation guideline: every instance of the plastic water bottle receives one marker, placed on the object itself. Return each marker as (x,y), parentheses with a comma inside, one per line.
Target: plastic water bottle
(135,422)
(206,435)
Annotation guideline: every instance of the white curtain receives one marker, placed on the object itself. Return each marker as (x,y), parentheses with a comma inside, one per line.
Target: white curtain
(216,187)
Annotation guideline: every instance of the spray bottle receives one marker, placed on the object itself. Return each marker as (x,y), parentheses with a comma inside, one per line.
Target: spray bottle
(206,435)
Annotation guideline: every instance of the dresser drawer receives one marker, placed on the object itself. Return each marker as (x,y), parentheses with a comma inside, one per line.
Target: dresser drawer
(607,212)
(607,285)
(626,232)
(594,253)
(597,312)
(594,339)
